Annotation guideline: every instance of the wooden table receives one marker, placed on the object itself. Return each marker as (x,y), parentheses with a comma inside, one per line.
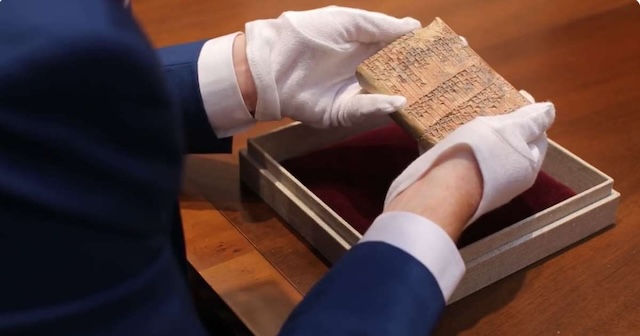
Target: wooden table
(584,55)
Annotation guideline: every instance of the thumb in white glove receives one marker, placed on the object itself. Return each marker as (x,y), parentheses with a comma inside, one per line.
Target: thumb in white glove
(303,64)
(509,150)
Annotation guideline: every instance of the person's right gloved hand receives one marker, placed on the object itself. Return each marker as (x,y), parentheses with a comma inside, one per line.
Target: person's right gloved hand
(303,64)
(509,150)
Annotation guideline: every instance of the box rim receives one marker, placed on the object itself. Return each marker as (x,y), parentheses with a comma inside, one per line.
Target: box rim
(255,144)
(472,280)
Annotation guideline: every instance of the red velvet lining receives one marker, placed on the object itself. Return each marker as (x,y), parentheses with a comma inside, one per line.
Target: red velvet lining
(352,178)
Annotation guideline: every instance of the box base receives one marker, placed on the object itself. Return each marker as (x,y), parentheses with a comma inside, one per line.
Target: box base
(487,260)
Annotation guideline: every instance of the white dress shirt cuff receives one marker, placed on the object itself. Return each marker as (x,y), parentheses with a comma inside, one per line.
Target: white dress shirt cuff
(219,88)
(425,241)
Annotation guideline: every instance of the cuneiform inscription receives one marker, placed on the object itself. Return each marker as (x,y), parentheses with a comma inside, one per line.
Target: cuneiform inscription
(438,102)
(445,82)
(490,101)
(413,68)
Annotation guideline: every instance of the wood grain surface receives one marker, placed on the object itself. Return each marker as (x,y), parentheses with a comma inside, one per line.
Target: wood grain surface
(583,55)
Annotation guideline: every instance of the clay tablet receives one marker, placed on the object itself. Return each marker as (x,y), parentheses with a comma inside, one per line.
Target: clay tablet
(445,82)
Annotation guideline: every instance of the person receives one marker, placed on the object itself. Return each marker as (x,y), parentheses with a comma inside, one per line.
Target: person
(94,124)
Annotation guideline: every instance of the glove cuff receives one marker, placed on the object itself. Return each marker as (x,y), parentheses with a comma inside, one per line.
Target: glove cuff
(261,36)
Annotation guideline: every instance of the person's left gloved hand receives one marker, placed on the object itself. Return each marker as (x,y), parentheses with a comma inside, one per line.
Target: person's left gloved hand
(509,150)
(303,64)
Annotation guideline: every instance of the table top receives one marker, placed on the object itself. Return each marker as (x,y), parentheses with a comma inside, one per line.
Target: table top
(582,55)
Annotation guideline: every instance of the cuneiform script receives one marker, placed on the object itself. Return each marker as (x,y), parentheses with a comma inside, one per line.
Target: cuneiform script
(445,82)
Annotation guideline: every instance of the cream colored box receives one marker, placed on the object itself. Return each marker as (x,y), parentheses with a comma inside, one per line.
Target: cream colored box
(488,260)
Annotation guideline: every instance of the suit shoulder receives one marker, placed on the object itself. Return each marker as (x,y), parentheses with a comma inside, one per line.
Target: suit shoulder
(70,44)
(67,30)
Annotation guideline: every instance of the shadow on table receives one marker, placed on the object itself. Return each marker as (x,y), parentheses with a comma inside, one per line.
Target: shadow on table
(215,314)
(466,313)
(264,304)
(217,179)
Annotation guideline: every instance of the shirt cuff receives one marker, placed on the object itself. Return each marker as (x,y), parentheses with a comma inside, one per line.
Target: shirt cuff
(425,241)
(219,88)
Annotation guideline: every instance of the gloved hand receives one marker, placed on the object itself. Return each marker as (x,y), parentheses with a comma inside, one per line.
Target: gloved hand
(303,64)
(509,150)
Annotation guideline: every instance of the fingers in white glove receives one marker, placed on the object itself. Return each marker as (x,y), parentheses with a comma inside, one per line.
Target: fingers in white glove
(538,147)
(509,150)
(528,122)
(524,93)
(303,64)
(353,105)
(359,25)
(342,25)
(369,27)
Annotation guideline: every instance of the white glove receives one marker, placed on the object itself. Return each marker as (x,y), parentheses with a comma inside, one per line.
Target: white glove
(303,64)
(509,150)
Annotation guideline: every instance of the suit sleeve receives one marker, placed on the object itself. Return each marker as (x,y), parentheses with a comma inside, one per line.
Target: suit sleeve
(202,79)
(395,281)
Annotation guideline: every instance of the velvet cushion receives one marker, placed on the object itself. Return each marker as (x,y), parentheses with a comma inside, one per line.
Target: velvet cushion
(352,178)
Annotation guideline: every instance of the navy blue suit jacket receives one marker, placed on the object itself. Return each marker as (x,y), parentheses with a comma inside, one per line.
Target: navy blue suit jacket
(94,125)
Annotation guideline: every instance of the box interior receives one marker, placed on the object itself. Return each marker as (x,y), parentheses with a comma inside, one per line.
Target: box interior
(266,161)
(352,176)
(296,140)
